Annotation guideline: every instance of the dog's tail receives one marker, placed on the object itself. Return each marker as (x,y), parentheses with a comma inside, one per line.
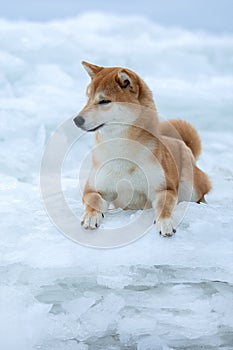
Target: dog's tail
(182,130)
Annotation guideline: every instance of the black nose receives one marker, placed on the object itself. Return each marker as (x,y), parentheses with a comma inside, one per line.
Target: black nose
(79,120)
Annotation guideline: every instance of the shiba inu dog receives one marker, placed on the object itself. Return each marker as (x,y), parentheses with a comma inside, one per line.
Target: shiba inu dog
(137,161)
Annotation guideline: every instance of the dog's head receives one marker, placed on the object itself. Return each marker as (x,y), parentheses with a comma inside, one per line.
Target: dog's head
(113,95)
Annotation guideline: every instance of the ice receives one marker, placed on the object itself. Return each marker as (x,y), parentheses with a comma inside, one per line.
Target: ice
(22,318)
(151,343)
(100,318)
(154,294)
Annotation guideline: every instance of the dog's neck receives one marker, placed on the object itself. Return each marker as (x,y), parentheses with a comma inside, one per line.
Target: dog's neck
(148,124)
(112,131)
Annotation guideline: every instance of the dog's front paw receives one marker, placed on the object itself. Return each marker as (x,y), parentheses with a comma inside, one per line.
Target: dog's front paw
(165,227)
(91,220)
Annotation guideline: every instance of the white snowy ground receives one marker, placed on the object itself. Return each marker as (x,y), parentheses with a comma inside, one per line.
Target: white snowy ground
(153,294)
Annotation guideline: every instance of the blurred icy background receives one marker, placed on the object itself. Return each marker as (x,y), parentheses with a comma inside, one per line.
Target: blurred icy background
(155,293)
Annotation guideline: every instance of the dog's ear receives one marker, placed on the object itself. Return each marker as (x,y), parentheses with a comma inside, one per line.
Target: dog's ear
(126,80)
(91,69)
(123,79)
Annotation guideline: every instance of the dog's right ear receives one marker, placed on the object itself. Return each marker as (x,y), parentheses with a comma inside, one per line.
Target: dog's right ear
(91,69)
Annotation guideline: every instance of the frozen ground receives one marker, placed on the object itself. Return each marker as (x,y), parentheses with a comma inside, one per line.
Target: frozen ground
(154,294)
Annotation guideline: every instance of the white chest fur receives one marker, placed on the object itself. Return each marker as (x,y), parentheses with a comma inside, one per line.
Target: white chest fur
(125,172)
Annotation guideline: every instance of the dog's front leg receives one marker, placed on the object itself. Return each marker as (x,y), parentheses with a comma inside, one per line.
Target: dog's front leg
(164,205)
(95,207)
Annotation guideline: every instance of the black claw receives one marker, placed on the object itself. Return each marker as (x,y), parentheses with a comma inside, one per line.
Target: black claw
(102,215)
(160,232)
(168,235)
(82,222)
(174,230)
(96,225)
(154,221)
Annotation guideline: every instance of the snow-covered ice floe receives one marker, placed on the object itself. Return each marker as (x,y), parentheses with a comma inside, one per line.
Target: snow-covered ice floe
(154,293)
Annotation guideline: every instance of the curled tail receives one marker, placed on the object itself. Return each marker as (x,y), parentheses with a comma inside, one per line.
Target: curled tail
(182,130)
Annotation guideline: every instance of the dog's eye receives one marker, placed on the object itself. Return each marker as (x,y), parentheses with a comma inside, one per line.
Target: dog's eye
(102,102)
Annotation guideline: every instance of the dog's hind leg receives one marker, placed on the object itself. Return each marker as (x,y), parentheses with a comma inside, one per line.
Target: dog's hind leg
(202,184)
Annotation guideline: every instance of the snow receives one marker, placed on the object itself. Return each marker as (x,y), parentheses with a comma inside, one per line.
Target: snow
(154,293)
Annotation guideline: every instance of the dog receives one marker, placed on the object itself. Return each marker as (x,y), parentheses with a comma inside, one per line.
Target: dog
(138,162)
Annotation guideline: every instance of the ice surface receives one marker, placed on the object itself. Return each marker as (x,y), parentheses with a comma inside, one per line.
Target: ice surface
(150,295)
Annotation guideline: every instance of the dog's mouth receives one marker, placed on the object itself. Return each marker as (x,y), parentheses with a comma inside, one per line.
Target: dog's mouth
(97,127)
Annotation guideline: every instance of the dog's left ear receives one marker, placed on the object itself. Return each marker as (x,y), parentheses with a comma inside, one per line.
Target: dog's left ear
(126,80)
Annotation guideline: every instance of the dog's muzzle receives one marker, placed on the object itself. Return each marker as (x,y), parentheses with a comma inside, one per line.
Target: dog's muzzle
(79,122)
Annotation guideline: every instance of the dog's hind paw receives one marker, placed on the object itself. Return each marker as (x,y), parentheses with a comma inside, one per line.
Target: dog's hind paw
(91,220)
(165,227)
